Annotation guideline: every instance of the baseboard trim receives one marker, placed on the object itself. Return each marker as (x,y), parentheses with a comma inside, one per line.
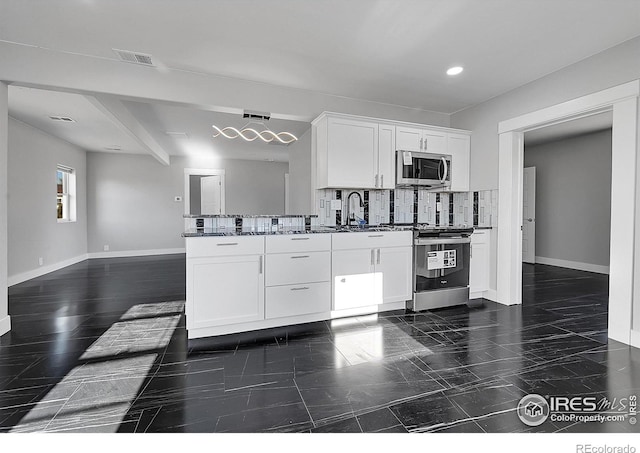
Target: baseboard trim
(573,265)
(43,270)
(5,325)
(635,338)
(129,253)
(491,294)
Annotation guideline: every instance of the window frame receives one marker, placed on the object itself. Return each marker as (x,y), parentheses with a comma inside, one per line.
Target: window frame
(67,196)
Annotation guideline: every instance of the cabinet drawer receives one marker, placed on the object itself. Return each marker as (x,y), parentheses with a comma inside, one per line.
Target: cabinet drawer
(292,268)
(371,239)
(290,243)
(296,300)
(224,246)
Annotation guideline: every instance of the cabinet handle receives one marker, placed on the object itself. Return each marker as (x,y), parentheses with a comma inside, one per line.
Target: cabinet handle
(344,280)
(260,264)
(376,235)
(227,243)
(381,181)
(421,144)
(375,184)
(373,252)
(301,256)
(299,239)
(302,288)
(378,260)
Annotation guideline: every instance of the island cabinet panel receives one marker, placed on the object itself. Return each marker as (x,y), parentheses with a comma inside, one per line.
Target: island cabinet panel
(225,290)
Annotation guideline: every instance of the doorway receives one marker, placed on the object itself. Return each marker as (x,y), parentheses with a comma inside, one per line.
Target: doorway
(204,191)
(623,101)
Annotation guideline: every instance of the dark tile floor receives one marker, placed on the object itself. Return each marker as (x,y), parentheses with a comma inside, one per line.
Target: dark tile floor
(101,347)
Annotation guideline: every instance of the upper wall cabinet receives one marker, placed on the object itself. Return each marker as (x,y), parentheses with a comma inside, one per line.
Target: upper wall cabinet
(357,152)
(354,153)
(458,146)
(420,140)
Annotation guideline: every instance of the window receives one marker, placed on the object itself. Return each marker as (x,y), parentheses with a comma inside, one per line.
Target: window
(66,194)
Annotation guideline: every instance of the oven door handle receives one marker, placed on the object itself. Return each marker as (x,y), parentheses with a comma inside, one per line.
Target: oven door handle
(438,241)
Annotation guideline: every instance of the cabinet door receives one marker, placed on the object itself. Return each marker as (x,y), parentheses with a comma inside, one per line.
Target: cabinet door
(458,145)
(224,290)
(393,270)
(408,139)
(386,156)
(434,141)
(352,152)
(479,262)
(353,278)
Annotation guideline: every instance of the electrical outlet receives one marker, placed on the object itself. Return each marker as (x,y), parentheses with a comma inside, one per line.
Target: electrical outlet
(106,248)
(177,199)
(40,261)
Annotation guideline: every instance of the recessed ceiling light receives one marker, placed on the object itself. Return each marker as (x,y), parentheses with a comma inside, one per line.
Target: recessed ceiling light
(455,70)
(113,148)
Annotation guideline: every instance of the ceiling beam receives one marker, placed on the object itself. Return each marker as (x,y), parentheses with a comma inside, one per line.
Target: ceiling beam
(116,111)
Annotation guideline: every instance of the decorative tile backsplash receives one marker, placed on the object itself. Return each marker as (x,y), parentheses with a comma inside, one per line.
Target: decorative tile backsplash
(408,206)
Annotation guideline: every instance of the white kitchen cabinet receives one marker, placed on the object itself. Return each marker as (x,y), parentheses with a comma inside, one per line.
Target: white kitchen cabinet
(394,267)
(224,290)
(479,262)
(386,176)
(458,146)
(421,140)
(298,275)
(371,268)
(347,153)
(225,282)
(353,278)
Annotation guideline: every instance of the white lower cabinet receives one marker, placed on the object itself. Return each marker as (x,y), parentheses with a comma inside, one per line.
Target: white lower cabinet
(296,300)
(479,262)
(240,283)
(354,282)
(396,270)
(371,269)
(224,290)
(298,272)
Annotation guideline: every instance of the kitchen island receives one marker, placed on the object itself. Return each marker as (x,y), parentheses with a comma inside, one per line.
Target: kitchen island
(239,280)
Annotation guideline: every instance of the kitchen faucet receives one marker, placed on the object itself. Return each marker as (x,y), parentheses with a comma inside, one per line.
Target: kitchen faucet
(348,204)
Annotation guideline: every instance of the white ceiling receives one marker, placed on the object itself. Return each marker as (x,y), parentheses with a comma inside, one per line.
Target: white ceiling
(385,51)
(568,129)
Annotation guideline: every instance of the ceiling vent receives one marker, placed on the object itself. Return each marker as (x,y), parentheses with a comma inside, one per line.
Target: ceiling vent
(134,57)
(264,116)
(64,119)
(178,135)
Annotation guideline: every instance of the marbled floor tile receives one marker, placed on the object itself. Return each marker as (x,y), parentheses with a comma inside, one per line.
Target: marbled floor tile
(380,421)
(350,425)
(429,413)
(291,417)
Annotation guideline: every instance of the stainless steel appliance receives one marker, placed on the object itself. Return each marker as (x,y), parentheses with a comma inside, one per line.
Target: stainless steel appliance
(441,258)
(423,169)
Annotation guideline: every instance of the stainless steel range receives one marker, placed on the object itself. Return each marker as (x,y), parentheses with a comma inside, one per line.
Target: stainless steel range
(440,267)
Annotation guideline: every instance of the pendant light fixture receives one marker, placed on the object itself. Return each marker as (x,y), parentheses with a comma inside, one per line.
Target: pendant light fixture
(258,131)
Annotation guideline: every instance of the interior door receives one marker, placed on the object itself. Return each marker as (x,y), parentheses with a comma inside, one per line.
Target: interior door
(210,194)
(529,216)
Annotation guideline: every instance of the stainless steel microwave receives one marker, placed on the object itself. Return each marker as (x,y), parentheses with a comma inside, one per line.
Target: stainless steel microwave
(423,169)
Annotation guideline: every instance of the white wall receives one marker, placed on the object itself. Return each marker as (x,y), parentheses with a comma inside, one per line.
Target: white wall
(573,197)
(300,175)
(131,203)
(34,231)
(5,323)
(615,66)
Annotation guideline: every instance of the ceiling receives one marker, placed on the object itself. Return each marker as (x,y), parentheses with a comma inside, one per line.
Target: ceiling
(568,129)
(384,51)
